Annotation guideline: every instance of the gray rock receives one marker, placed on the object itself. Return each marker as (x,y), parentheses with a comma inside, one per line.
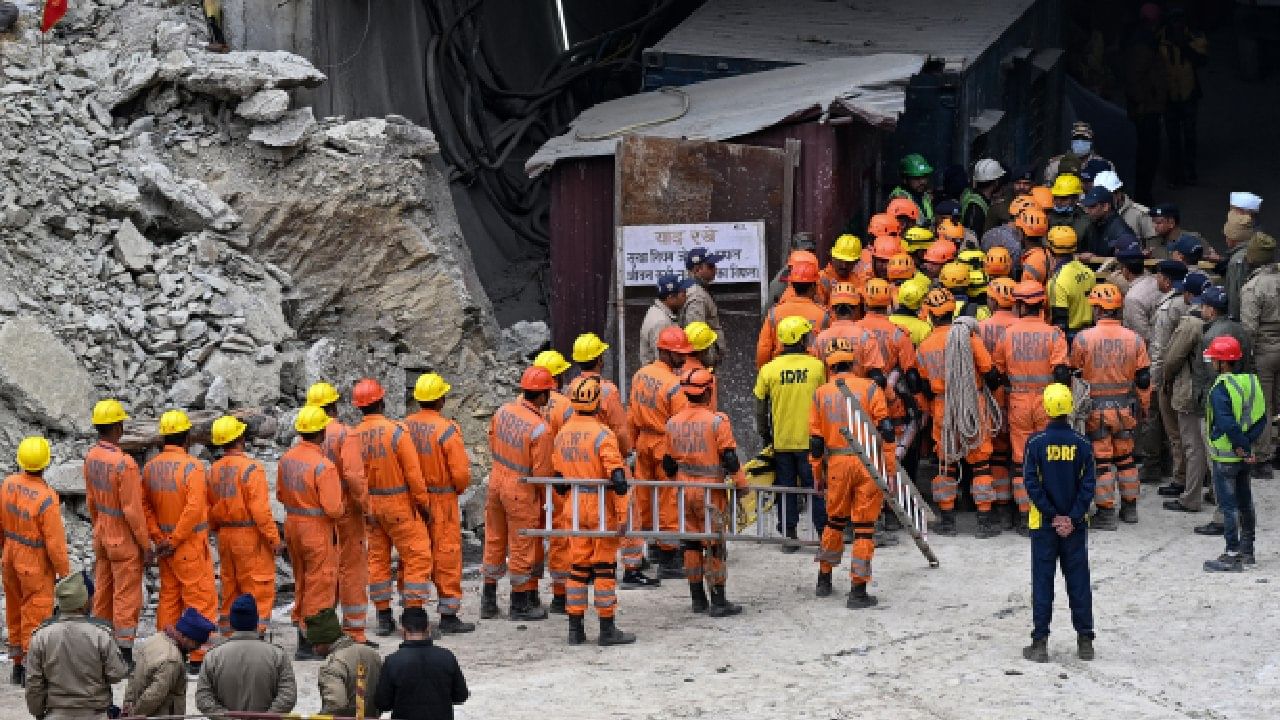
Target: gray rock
(359,137)
(41,380)
(218,396)
(67,479)
(75,84)
(525,338)
(187,392)
(133,250)
(172,36)
(131,77)
(194,330)
(264,320)
(248,382)
(241,74)
(288,131)
(264,106)
(190,201)
(8,302)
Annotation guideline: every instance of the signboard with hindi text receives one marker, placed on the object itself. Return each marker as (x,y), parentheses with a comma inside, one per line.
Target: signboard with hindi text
(647,252)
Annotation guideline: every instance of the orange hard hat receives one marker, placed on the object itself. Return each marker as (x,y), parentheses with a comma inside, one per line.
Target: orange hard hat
(902,207)
(954,275)
(1020,203)
(537,379)
(839,350)
(901,267)
(367,392)
(803,273)
(942,251)
(801,256)
(998,262)
(1029,291)
(885,247)
(674,340)
(1032,222)
(584,393)
(940,302)
(1106,296)
(1042,196)
(951,230)
(1002,290)
(883,224)
(844,294)
(697,382)
(878,293)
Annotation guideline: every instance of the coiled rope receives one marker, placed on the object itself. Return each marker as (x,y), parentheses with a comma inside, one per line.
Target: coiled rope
(963,429)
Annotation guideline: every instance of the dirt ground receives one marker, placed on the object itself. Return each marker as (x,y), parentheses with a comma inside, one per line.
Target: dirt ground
(1172,641)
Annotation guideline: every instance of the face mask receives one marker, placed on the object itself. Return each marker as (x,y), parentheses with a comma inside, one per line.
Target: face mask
(1064,207)
(1081,147)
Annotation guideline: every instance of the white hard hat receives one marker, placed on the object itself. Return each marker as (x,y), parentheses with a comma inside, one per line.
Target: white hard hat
(1108,179)
(987,170)
(1246,201)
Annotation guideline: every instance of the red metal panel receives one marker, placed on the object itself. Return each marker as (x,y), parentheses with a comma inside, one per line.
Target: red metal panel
(581,247)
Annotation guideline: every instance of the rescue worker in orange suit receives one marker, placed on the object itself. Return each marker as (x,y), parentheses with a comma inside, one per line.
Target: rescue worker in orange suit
(121,545)
(701,449)
(442,455)
(655,397)
(176,501)
(1113,360)
(846,303)
(1000,300)
(803,279)
(308,486)
(400,503)
(588,354)
(883,250)
(1035,263)
(845,255)
(240,513)
(555,555)
(788,293)
(586,449)
(933,360)
(1031,355)
(703,339)
(34,545)
(520,443)
(342,447)
(852,495)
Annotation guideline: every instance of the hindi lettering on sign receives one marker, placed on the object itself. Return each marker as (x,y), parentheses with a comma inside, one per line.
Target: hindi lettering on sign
(650,251)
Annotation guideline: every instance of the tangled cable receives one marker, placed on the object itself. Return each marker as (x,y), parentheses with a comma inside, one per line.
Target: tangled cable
(963,428)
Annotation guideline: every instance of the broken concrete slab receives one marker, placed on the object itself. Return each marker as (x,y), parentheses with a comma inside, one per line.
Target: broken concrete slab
(264,106)
(289,131)
(133,250)
(41,379)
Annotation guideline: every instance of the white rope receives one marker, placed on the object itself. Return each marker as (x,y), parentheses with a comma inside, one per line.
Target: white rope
(962,427)
(1081,402)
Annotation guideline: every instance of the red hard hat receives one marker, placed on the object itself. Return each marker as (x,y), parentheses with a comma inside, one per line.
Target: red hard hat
(803,273)
(1223,347)
(537,379)
(367,392)
(673,339)
(885,247)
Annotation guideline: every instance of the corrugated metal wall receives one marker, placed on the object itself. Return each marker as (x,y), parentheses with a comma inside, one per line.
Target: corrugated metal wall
(581,247)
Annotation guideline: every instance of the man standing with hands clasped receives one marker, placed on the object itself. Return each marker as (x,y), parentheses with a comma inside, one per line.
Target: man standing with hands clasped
(1060,477)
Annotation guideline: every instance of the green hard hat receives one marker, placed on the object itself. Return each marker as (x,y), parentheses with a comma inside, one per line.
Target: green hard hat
(914,165)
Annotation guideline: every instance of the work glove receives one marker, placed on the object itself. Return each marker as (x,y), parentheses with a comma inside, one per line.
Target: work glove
(886,431)
(561,489)
(817,447)
(618,482)
(878,377)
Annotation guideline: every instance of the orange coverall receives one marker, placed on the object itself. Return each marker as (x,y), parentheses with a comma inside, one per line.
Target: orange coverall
(852,494)
(586,449)
(398,495)
(177,494)
(612,413)
(1036,264)
(520,443)
(308,487)
(342,447)
(447,472)
(1027,354)
(932,361)
(554,556)
(696,438)
(693,363)
(882,345)
(1109,356)
(655,397)
(35,552)
(113,488)
(240,512)
(992,330)
(767,345)
(847,329)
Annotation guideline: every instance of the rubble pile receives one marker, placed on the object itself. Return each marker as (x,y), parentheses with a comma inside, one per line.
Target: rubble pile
(179,234)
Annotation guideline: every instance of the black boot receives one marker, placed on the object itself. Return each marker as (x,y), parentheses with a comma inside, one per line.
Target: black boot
(127,654)
(698,594)
(824,585)
(451,625)
(1008,515)
(1037,651)
(987,526)
(489,602)
(792,544)
(891,522)
(634,579)
(577,633)
(720,605)
(523,609)
(672,565)
(1084,647)
(534,599)
(1263,471)
(19,676)
(1105,519)
(304,651)
(386,624)
(611,635)
(1226,562)
(1023,528)
(859,599)
(948,526)
(557,605)
(1129,511)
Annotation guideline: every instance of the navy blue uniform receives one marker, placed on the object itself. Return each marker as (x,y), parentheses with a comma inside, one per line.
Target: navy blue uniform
(1060,477)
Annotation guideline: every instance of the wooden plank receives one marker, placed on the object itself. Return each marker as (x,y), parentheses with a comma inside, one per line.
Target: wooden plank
(140,434)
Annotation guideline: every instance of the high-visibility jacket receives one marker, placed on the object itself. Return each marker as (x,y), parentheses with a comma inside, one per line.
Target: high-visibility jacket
(31,522)
(557,411)
(788,383)
(1248,412)
(882,345)
(829,414)
(1109,356)
(1069,288)
(175,489)
(909,320)
(442,454)
(238,496)
(342,447)
(924,204)
(113,489)
(993,328)
(847,329)
(1028,353)
(611,411)
(696,438)
(767,345)
(932,360)
(693,363)
(967,307)
(520,442)
(655,397)
(1035,264)
(308,486)
(390,463)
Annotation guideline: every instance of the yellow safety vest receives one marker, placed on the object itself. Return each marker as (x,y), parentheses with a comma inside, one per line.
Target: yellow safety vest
(1248,407)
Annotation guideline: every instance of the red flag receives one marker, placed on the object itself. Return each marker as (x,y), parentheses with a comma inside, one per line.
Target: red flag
(53,12)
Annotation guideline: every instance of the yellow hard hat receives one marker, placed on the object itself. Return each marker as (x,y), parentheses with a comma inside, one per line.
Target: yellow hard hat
(33,454)
(552,360)
(792,329)
(1057,400)
(911,293)
(108,412)
(174,422)
(700,335)
(847,248)
(918,238)
(588,347)
(954,275)
(321,394)
(1067,185)
(972,257)
(311,419)
(1062,240)
(226,429)
(430,387)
